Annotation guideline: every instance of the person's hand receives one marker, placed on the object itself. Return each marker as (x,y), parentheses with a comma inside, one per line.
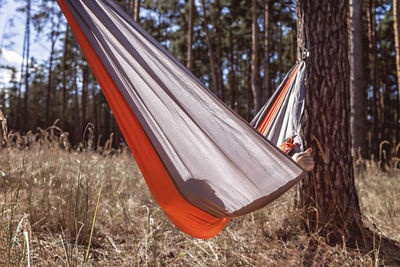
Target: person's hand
(305,160)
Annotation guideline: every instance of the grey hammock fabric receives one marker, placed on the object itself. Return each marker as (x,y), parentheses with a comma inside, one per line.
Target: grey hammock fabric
(217,161)
(287,121)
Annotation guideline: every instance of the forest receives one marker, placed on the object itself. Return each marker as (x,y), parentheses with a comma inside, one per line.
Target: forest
(240,53)
(71,194)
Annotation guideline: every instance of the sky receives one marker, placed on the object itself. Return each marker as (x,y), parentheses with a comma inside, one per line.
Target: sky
(12,27)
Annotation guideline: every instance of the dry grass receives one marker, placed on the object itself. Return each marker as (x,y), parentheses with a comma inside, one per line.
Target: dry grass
(48,195)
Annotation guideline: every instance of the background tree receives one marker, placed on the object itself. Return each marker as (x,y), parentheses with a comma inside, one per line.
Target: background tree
(372,59)
(62,86)
(214,74)
(24,70)
(137,11)
(266,79)
(255,57)
(386,78)
(47,20)
(134,9)
(328,195)
(190,35)
(64,69)
(357,89)
(396,26)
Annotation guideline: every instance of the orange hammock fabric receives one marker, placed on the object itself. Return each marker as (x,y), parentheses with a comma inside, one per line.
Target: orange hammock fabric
(227,170)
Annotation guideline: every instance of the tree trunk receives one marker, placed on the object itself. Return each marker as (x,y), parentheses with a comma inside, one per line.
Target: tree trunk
(255,58)
(77,131)
(293,44)
(134,9)
(357,89)
(218,29)
(49,87)
(84,96)
(328,196)
(26,122)
(396,26)
(211,56)
(64,78)
(53,40)
(372,58)
(17,121)
(190,36)
(279,32)
(95,107)
(250,97)
(136,16)
(232,73)
(266,80)
(384,115)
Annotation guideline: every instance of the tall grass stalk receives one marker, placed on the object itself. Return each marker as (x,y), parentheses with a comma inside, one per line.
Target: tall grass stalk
(26,238)
(93,222)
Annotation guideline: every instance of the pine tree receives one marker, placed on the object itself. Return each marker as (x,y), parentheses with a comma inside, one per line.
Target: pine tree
(372,60)
(190,35)
(396,27)
(266,79)
(211,55)
(255,57)
(328,196)
(357,89)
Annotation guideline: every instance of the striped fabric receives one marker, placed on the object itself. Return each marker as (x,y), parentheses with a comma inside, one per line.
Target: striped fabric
(202,162)
(280,117)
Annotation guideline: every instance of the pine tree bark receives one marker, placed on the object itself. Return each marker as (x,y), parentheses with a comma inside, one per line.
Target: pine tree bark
(279,32)
(84,96)
(26,116)
(293,44)
(396,26)
(53,40)
(190,36)
(19,89)
(134,9)
(211,56)
(266,79)
(49,85)
(232,73)
(64,77)
(328,196)
(219,66)
(372,58)
(136,16)
(250,97)
(95,107)
(357,88)
(255,58)
(77,130)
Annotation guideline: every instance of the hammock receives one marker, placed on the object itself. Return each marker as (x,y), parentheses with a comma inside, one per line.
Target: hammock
(202,162)
(280,117)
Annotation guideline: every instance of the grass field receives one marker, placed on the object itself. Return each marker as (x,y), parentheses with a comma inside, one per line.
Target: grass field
(49,193)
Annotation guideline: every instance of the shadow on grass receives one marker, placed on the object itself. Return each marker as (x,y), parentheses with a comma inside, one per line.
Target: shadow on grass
(382,250)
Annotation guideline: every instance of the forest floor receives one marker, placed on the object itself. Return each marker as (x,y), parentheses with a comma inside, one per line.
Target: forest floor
(48,196)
